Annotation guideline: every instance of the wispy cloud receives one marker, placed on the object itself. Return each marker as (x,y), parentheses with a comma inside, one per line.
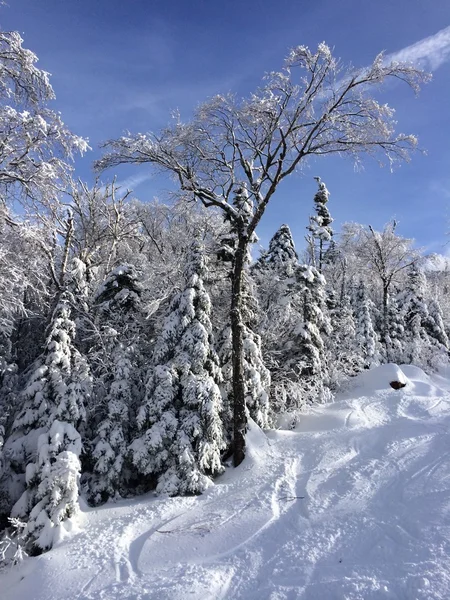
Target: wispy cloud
(133,182)
(430,53)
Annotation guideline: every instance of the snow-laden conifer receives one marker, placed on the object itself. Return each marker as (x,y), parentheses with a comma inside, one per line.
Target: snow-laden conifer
(366,337)
(181,434)
(111,447)
(307,357)
(257,379)
(281,255)
(54,401)
(436,327)
(54,479)
(118,310)
(415,315)
(394,336)
(423,335)
(344,358)
(320,224)
(279,305)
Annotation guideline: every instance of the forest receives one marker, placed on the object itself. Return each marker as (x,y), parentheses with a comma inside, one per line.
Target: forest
(139,341)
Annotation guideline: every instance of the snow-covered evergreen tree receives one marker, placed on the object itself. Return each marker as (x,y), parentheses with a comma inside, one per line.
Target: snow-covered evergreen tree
(307,357)
(320,224)
(344,359)
(436,327)
(280,304)
(281,256)
(53,411)
(121,290)
(366,337)
(54,479)
(395,332)
(415,315)
(424,339)
(114,430)
(181,435)
(118,311)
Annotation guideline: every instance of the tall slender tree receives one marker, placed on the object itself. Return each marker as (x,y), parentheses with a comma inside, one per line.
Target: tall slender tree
(320,225)
(366,336)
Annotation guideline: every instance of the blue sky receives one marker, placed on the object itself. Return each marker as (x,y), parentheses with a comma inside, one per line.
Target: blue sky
(125,65)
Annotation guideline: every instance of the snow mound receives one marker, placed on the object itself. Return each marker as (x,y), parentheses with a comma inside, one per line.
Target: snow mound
(380,378)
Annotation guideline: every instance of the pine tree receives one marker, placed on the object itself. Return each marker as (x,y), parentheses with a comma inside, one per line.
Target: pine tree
(47,426)
(395,332)
(118,308)
(366,338)
(114,430)
(279,306)
(281,256)
(344,359)
(308,358)
(436,327)
(54,480)
(423,334)
(181,431)
(319,225)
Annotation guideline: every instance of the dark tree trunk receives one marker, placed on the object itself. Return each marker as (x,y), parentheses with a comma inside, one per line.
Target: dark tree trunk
(385,309)
(320,255)
(240,418)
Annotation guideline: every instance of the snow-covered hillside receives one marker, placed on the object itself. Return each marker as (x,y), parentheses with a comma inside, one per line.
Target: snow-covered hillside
(353,504)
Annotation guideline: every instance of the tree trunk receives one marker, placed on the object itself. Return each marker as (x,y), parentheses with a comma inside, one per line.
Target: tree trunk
(320,255)
(240,418)
(385,308)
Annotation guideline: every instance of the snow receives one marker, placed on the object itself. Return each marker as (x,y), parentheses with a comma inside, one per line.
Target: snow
(353,504)
(379,378)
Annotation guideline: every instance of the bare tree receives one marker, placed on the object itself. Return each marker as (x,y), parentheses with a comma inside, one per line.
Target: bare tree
(311,108)
(382,254)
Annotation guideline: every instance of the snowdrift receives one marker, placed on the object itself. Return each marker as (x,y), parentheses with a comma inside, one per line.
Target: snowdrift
(354,504)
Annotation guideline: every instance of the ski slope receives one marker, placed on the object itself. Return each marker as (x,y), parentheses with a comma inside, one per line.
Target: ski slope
(353,504)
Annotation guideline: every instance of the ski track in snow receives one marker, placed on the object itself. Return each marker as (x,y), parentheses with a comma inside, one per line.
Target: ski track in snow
(353,505)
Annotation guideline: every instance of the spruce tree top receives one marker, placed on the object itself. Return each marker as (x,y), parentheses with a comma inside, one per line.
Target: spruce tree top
(282,247)
(320,224)
(121,289)
(281,254)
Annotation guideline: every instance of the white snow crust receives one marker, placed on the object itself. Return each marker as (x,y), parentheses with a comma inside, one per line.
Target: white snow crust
(352,505)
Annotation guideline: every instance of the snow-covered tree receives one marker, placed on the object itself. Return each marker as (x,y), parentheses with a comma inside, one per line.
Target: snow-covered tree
(381,258)
(118,306)
(273,274)
(320,225)
(54,479)
(280,308)
(306,356)
(114,432)
(436,327)
(424,335)
(366,337)
(281,256)
(34,142)
(181,435)
(344,357)
(394,335)
(257,379)
(57,391)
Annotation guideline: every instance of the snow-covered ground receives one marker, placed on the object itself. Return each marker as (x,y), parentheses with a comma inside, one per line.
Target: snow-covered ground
(353,504)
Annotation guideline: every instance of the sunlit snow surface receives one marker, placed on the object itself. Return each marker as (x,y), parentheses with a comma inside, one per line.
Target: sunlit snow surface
(353,504)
